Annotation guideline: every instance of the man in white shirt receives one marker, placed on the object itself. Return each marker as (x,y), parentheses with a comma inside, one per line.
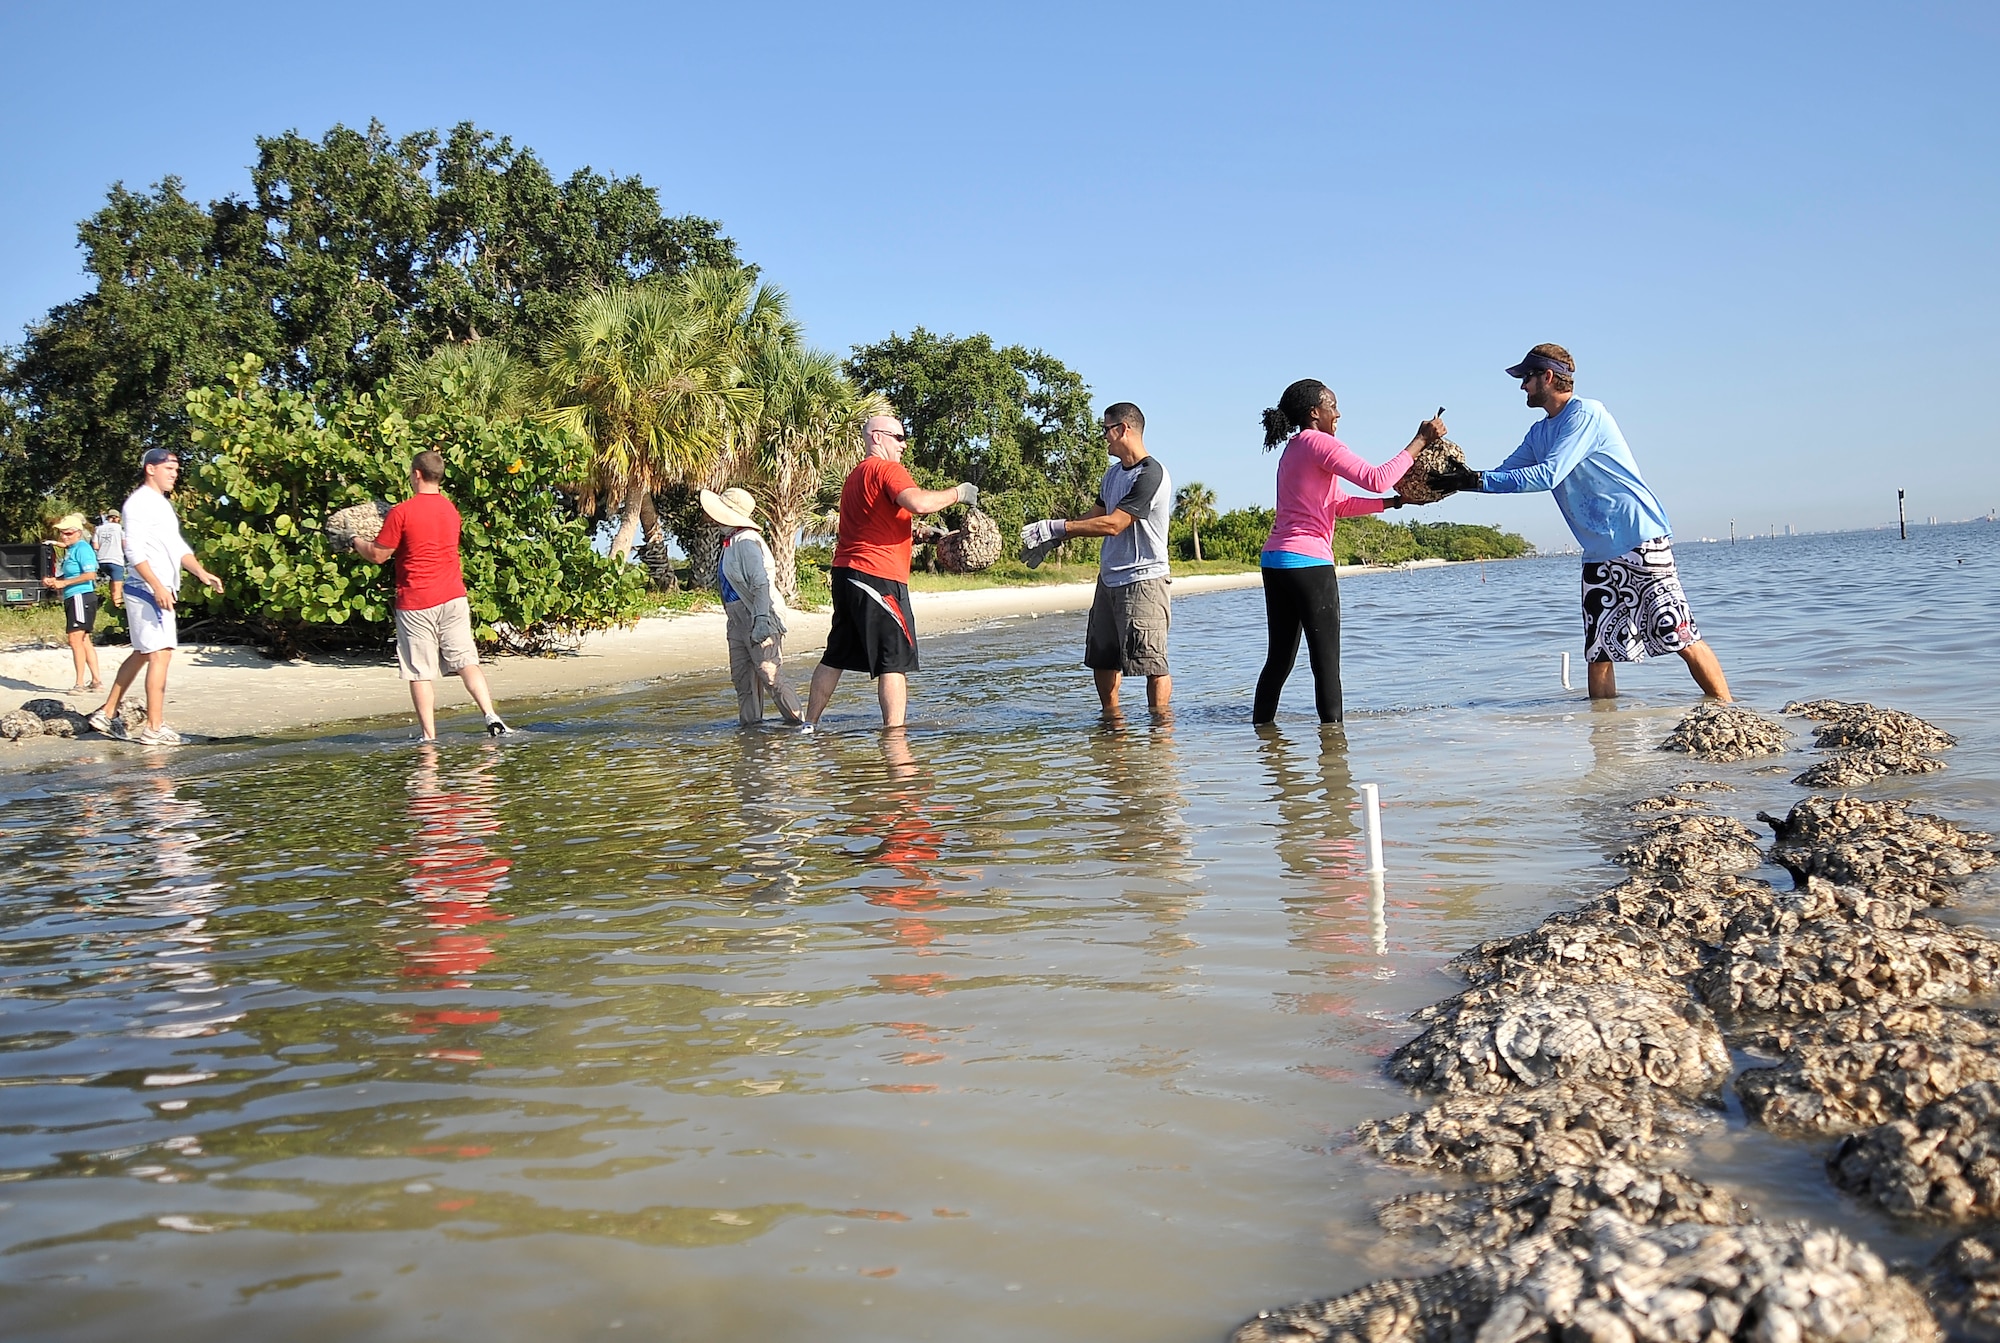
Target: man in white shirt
(155,554)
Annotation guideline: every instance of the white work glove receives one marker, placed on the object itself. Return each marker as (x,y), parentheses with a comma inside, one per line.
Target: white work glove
(1039,538)
(968,493)
(764,627)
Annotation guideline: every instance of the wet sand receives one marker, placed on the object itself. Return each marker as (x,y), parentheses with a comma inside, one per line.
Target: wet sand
(233,691)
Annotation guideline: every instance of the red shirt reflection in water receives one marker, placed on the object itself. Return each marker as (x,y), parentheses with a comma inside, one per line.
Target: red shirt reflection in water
(454,878)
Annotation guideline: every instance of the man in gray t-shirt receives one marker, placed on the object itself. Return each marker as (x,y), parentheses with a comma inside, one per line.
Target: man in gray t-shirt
(1130,614)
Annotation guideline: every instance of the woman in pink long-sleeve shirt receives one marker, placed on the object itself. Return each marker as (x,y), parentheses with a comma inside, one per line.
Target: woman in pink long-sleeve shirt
(1301,594)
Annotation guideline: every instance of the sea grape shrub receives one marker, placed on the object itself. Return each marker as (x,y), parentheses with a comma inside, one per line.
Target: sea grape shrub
(273,465)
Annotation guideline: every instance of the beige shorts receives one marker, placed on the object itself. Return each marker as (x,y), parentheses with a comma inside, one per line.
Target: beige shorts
(1127,629)
(436,641)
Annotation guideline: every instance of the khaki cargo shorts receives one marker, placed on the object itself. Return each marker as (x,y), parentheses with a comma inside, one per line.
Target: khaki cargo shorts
(436,641)
(1127,630)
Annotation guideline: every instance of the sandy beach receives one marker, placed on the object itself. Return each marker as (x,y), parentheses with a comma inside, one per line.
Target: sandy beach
(234,691)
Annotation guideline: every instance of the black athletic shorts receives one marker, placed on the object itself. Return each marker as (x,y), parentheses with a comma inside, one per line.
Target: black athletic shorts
(80,612)
(873,628)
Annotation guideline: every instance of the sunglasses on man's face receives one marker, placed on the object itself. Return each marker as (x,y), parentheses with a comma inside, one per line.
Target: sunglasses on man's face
(900,438)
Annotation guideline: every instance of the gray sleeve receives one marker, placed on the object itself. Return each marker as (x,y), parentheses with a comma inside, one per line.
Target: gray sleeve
(1144,489)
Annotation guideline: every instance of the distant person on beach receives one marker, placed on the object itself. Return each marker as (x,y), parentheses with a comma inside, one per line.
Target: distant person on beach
(752,608)
(76,576)
(1131,611)
(1301,589)
(1633,604)
(874,630)
(109,543)
(155,554)
(433,617)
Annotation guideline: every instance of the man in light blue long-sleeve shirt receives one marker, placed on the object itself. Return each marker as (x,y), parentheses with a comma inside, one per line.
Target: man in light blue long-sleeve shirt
(1633,603)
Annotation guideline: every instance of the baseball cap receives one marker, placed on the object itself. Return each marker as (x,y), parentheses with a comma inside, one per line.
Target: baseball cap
(154,456)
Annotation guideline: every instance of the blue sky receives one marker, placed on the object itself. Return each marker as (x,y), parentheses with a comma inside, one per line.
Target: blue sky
(1766,231)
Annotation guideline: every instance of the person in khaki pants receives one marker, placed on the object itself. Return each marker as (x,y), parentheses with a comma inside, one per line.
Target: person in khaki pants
(433,618)
(753,609)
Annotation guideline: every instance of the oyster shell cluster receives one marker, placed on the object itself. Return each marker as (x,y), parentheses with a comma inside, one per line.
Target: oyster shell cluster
(1868,743)
(1415,486)
(49,717)
(1727,732)
(1574,1075)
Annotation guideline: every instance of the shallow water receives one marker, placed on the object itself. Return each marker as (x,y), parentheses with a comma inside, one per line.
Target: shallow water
(645,1026)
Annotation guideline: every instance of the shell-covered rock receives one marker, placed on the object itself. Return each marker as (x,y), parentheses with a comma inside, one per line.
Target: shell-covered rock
(970,548)
(1882,847)
(1528,1134)
(1415,486)
(18,723)
(1943,1164)
(1963,1284)
(1704,786)
(1885,1021)
(1505,1037)
(1862,725)
(1618,1280)
(1826,1090)
(1826,966)
(1725,732)
(1582,947)
(1851,769)
(362,521)
(1706,844)
(1614,1280)
(1674,801)
(1469,1222)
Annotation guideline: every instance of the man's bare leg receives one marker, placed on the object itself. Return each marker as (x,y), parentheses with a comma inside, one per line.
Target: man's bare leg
(1159,690)
(824,679)
(892,690)
(1107,690)
(1603,680)
(156,686)
(128,672)
(475,686)
(1701,660)
(424,696)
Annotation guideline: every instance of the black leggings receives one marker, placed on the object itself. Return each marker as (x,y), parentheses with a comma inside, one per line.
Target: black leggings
(1296,599)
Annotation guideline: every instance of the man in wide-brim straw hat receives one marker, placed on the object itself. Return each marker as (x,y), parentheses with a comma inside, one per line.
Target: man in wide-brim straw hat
(1633,604)
(752,607)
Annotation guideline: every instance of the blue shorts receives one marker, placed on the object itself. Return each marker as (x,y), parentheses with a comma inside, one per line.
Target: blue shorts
(114,572)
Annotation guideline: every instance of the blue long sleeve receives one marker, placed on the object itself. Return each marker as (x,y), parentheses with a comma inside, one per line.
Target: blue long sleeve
(1581,457)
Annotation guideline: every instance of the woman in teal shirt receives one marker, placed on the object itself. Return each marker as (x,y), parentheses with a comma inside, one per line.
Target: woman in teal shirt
(76,575)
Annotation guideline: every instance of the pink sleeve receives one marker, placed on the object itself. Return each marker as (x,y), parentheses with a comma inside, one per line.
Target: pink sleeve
(1338,458)
(1355,505)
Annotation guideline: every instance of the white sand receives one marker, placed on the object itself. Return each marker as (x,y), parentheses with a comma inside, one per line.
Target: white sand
(230,691)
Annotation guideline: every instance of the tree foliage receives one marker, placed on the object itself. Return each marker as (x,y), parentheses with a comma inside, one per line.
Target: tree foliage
(1240,534)
(353,255)
(275,463)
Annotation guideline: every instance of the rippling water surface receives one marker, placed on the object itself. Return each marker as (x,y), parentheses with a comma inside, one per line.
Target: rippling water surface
(1025,1028)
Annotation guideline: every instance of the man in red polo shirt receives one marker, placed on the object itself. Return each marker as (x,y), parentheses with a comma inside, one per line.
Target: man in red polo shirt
(433,619)
(874,630)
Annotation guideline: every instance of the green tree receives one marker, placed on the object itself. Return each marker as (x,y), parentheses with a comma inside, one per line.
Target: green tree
(648,378)
(352,256)
(479,377)
(1009,419)
(808,435)
(1194,504)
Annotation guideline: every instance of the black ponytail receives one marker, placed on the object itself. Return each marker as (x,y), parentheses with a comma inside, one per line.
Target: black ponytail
(1293,411)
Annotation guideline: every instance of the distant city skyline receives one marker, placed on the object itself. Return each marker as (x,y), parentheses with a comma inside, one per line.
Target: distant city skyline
(1766,232)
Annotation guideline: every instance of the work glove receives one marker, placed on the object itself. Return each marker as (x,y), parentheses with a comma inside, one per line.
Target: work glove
(1039,538)
(765,627)
(1457,478)
(1394,501)
(968,493)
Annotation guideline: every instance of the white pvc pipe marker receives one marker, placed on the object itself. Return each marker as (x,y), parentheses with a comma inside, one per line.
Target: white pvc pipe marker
(1565,671)
(1371,825)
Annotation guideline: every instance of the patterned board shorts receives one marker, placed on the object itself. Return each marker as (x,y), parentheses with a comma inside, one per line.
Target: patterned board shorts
(1633,606)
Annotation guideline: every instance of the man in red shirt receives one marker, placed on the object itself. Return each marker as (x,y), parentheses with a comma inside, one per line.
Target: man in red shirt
(874,630)
(433,619)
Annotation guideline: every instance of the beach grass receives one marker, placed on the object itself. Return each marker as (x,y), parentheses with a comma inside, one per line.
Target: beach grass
(31,625)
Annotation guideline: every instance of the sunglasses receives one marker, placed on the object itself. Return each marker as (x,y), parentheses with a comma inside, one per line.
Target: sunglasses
(900,438)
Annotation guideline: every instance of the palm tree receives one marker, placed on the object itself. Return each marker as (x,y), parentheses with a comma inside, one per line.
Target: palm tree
(651,381)
(809,429)
(479,376)
(1194,504)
